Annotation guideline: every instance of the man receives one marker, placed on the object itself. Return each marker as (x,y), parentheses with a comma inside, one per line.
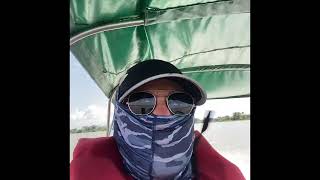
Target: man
(154,135)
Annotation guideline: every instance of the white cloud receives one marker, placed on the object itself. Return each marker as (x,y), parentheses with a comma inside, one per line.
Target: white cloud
(92,115)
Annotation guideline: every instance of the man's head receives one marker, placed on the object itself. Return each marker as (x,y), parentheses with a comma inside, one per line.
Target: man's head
(158,131)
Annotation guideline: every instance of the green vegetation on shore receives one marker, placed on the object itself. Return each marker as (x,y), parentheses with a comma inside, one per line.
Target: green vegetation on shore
(236,116)
(93,128)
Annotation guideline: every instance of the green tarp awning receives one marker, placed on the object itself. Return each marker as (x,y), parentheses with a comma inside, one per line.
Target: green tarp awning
(208,40)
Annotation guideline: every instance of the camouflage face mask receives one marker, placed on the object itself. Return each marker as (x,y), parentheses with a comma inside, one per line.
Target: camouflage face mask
(154,147)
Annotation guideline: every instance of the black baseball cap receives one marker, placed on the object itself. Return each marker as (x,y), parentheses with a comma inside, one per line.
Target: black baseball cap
(153,69)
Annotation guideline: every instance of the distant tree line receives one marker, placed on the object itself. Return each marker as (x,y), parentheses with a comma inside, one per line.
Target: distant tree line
(236,116)
(92,128)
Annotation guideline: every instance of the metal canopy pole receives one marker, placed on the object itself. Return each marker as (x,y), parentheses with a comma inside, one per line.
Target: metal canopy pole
(107,27)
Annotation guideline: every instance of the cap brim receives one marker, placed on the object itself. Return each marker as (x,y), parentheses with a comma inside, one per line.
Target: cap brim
(192,86)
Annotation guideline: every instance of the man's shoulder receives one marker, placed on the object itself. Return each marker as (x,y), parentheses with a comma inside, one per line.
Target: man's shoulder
(212,165)
(101,146)
(97,158)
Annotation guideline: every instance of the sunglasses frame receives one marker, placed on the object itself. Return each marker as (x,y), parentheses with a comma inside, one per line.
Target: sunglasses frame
(155,104)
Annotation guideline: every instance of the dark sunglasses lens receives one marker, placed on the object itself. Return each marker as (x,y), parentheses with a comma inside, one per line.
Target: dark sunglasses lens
(141,103)
(180,103)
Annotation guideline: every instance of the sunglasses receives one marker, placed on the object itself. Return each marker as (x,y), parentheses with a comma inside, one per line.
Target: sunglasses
(143,103)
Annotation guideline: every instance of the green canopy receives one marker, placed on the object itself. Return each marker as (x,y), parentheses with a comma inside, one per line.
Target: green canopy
(208,41)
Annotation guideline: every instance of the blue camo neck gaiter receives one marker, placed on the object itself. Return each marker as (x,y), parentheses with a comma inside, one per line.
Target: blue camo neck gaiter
(154,147)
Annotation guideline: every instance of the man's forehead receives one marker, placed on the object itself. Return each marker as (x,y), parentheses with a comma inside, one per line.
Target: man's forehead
(160,84)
